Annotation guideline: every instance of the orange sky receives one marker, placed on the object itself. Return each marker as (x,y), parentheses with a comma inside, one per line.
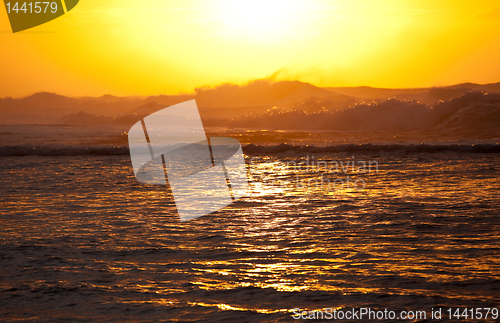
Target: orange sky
(128,47)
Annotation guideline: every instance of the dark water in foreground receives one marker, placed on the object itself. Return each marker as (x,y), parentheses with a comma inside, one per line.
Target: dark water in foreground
(81,240)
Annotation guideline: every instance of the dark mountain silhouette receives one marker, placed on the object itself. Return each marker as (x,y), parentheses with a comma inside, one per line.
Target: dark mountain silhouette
(492,87)
(50,107)
(264,104)
(262,93)
(371,93)
(424,95)
(474,113)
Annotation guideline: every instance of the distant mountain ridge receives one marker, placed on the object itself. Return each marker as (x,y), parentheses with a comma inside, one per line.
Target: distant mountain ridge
(223,101)
(425,95)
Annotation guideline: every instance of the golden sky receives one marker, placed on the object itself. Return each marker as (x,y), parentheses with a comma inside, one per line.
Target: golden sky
(129,47)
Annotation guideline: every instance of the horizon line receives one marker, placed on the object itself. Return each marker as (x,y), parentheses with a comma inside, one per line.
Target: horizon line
(213,87)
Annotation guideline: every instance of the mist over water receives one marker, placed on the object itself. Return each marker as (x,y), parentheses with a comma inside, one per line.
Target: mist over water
(466,109)
(472,112)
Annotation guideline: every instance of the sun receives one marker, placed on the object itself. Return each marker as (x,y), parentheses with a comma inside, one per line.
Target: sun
(263,19)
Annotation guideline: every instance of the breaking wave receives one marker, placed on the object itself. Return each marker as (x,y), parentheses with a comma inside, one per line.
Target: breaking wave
(411,148)
(48,150)
(474,111)
(253,149)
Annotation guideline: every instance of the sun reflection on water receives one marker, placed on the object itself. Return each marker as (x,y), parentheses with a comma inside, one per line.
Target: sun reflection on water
(421,230)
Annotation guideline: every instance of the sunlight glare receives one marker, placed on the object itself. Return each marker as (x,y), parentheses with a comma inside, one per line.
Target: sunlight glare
(261,18)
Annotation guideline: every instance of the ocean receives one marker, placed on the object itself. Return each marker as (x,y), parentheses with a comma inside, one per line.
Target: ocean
(386,224)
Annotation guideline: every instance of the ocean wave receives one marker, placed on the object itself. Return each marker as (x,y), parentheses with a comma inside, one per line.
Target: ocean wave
(472,112)
(253,149)
(67,150)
